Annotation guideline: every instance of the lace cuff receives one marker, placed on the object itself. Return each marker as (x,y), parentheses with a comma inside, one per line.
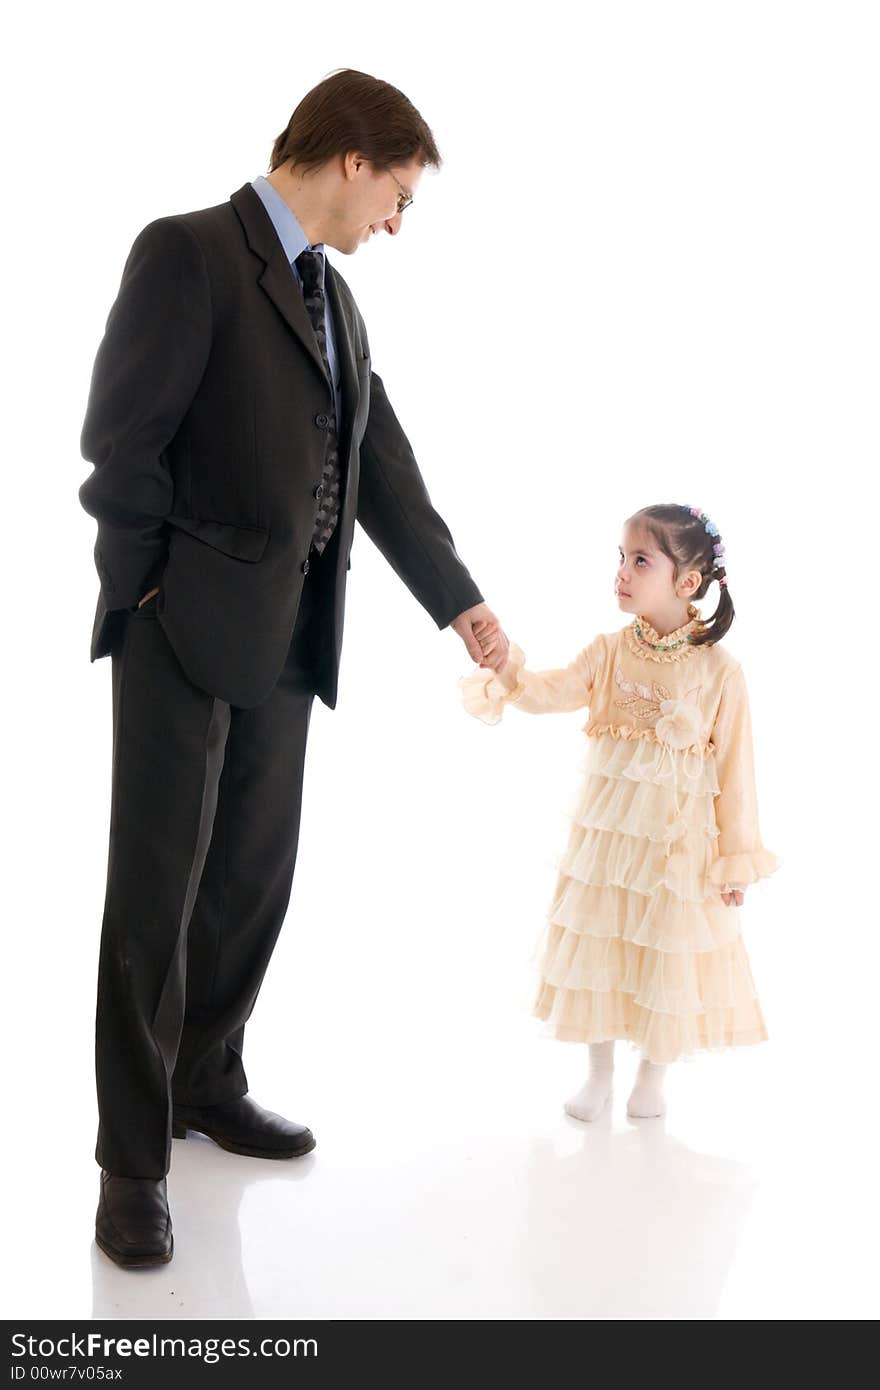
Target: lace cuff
(484,693)
(739,870)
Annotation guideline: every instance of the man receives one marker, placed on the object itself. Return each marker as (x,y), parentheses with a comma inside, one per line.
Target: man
(237,430)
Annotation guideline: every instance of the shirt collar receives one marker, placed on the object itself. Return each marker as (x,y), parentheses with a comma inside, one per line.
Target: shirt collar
(290,233)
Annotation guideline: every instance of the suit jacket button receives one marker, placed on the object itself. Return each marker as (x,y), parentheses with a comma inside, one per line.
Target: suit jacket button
(305,566)
(319,491)
(322,421)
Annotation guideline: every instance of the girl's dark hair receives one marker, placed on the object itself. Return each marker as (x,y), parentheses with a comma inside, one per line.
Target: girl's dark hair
(348,111)
(684,539)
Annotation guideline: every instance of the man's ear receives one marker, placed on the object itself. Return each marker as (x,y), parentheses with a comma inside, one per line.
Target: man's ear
(351,163)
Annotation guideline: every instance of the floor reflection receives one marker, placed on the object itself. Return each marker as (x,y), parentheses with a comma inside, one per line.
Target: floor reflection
(591,1222)
(206,1191)
(630,1224)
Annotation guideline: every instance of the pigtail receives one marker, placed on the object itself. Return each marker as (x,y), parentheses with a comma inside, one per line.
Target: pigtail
(714,628)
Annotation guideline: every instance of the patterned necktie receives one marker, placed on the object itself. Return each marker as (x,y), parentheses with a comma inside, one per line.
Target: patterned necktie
(309,265)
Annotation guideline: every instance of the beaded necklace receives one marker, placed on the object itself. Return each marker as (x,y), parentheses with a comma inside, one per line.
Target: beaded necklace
(658,646)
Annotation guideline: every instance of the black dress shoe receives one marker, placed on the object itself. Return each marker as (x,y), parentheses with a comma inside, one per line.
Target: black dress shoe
(133,1223)
(243,1127)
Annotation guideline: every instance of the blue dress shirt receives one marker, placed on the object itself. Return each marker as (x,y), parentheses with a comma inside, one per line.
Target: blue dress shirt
(294,240)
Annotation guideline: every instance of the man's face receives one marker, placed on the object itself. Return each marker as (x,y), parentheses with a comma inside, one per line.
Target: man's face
(369,200)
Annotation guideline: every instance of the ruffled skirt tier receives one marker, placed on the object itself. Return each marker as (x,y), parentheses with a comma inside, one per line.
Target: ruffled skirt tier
(639,944)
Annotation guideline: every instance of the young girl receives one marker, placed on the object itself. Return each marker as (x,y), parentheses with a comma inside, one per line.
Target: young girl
(643,939)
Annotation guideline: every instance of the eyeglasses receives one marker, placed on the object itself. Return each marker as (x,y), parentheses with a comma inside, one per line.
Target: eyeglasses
(404,199)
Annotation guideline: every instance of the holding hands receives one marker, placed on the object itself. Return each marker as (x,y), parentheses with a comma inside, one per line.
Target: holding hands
(483,636)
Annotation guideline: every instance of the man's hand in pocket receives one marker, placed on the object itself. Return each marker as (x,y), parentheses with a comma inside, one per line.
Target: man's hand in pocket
(147,596)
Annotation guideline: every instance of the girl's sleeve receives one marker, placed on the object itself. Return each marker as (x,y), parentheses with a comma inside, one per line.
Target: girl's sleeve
(485,693)
(742,858)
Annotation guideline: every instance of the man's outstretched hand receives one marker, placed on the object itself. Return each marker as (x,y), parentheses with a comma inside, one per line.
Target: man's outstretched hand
(483,636)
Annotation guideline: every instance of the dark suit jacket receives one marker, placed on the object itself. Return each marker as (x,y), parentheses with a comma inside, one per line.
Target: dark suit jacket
(206,425)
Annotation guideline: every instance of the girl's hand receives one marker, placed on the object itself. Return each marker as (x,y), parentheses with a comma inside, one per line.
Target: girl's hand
(733,897)
(490,637)
(483,636)
(492,641)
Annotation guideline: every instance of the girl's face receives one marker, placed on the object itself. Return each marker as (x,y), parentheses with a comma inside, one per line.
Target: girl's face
(644,582)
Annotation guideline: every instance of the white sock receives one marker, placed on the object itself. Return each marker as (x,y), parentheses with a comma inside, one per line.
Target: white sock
(590,1100)
(647,1100)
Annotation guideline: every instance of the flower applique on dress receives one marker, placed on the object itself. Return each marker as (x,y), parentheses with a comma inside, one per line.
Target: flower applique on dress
(641,701)
(680,724)
(676,718)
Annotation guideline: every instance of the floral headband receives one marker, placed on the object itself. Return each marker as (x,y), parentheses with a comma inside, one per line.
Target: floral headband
(718,547)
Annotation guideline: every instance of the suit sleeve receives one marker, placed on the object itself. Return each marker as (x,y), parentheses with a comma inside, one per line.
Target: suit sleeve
(147,370)
(396,512)
(742,859)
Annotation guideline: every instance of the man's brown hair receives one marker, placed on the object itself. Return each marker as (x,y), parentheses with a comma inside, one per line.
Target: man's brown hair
(351,111)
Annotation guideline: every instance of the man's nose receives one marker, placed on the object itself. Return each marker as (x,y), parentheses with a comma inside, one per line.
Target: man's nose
(392,224)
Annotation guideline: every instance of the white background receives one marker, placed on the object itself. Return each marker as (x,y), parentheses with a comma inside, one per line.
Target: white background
(647,271)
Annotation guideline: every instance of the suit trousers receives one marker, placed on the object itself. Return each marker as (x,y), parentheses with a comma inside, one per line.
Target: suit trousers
(204,825)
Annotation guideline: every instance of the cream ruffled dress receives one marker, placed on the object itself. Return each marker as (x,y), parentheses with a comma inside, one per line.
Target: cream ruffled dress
(639,943)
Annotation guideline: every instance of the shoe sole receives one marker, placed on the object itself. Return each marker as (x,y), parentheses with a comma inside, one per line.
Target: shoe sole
(179,1131)
(133,1261)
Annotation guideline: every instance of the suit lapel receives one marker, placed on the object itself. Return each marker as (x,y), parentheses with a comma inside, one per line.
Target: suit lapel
(277,278)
